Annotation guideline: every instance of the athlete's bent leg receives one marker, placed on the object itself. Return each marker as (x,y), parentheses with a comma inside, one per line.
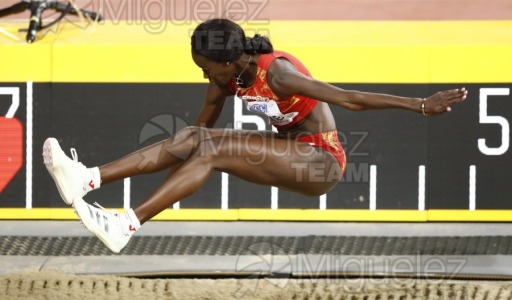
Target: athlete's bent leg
(254,157)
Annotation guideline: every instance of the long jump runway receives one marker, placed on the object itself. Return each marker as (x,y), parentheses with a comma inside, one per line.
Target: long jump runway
(259,260)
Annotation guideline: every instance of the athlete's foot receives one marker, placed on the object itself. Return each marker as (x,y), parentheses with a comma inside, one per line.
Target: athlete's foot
(72,178)
(112,228)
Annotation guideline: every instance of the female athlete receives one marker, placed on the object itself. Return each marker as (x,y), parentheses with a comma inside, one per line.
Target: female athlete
(269,82)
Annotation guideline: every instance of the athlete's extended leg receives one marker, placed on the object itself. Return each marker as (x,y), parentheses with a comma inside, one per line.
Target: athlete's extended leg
(169,153)
(74,180)
(159,156)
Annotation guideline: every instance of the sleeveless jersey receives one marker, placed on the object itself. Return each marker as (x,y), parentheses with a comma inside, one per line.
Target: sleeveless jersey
(259,98)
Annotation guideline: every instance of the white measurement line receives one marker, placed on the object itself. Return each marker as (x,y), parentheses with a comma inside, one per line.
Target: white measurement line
(176,206)
(421,188)
(472,187)
(29,147)
(323,202)
(127,193)
(224,191)
(274,202)
(373,187)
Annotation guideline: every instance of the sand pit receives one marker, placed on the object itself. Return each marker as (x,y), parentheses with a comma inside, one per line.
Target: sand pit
(58,285)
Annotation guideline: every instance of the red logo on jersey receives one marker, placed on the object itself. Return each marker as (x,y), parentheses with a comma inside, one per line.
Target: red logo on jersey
(91,184)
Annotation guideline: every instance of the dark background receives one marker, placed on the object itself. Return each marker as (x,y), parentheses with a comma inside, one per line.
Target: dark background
(104,122)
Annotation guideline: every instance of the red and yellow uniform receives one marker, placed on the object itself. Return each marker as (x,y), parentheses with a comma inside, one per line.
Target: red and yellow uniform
(286,112)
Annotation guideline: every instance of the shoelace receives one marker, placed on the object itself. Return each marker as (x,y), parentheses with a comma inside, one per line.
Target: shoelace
(74,155)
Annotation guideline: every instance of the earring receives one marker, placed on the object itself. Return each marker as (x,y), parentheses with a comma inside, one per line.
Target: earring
(227,63)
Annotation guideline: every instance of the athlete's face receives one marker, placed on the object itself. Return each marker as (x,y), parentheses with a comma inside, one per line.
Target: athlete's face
(215,72)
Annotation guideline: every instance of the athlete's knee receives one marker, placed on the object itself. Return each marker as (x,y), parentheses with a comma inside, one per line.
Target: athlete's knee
(208,148)
(197,134)
(185,140)
(189,132)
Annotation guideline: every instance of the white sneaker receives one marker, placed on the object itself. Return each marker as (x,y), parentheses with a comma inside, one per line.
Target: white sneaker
(68,174)
(112,228)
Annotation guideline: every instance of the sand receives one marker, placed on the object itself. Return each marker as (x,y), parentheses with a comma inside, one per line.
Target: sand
(58,285)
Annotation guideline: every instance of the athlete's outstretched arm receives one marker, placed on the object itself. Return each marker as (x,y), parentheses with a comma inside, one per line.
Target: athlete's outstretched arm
(286,80)
(212,105)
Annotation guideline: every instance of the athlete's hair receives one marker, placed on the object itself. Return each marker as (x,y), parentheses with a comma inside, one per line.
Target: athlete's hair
(223,40)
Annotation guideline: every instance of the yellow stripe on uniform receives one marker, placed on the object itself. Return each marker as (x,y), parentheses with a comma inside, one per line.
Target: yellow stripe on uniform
(334,51)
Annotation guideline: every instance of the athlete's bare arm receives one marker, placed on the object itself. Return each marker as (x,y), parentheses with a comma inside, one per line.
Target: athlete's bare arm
(212,105)
(285,80)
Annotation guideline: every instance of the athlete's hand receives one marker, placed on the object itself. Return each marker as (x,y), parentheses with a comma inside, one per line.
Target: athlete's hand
(442,102)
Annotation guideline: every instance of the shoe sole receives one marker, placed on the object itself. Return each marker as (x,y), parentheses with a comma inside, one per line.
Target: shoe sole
(91,227)
(51,156)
